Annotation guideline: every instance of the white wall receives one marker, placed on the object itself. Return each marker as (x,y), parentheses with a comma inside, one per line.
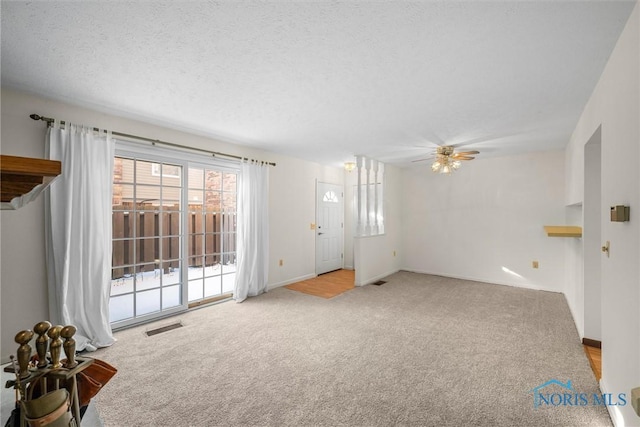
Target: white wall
(23,280)
(378,256)
(350,185)
(574,269)
(485,222)
(292,208)
(22,269)
(615,105)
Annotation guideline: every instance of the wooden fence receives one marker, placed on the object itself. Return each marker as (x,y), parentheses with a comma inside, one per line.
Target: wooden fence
(208,234)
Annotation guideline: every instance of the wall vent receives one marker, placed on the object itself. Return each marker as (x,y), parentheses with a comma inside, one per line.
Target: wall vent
(379,282)
(156,331)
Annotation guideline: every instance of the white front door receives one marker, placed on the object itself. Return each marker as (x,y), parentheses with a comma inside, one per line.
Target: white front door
(329,227)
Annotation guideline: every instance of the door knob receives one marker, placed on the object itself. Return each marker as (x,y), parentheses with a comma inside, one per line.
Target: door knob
(319,234)
(605,248)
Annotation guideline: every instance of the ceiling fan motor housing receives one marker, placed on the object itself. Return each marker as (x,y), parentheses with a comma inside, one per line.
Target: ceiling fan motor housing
(445,150)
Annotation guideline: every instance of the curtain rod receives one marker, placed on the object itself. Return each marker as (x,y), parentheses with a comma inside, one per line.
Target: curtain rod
(49,121)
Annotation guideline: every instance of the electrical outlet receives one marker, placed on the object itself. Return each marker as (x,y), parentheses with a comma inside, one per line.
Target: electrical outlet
(281,263)
(535,264)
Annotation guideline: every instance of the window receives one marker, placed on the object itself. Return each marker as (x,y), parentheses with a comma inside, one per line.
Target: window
(331,197)
(168,171)
(174,224)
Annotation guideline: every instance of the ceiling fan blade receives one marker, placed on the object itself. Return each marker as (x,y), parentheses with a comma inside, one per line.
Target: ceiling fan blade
(464,153)
(421,160)
(463,157)
(486,138)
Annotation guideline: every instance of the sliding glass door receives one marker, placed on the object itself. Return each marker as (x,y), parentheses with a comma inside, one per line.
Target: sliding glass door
(174,235)
(147,233)
(211,234)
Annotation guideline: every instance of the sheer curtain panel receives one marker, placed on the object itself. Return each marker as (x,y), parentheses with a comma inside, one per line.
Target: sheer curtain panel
(78,233)
(253,231)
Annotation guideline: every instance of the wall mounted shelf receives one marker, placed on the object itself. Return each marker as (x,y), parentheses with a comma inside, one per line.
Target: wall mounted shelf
(23,178)
(563,231)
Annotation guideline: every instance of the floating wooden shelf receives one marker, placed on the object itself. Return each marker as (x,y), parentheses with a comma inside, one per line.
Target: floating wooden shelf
(563,231)
(20,176)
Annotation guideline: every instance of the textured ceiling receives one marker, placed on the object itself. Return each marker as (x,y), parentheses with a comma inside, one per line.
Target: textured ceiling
(324,80)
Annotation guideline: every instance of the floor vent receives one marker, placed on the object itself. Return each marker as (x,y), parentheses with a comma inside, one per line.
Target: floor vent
(379,282)
(152,332)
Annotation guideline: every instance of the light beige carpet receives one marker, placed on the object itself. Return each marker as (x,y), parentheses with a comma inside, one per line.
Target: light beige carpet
(419,350)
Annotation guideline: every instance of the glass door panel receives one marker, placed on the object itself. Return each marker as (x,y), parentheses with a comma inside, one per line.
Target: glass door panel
(211,232)
(147,225)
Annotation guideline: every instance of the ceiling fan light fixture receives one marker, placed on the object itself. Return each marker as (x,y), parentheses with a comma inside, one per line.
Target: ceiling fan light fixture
(349,166)
(447,160)
(444,165)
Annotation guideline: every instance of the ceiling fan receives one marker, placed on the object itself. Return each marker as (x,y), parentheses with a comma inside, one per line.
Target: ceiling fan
(447,160)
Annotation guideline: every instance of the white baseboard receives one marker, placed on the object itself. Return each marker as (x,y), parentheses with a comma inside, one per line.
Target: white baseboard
(290,281)
(615,416)
(491,282)
(376,278)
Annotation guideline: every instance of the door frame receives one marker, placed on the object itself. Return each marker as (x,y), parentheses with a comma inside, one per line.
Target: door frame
(186,160)
(592,237)
(341,240)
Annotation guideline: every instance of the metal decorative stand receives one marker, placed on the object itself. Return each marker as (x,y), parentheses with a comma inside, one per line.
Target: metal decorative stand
(50,372)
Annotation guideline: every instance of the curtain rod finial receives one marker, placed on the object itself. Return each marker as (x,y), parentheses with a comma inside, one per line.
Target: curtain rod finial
(35,117)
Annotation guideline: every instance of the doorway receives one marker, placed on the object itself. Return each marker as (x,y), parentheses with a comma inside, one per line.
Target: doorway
(592,237)
(329,227)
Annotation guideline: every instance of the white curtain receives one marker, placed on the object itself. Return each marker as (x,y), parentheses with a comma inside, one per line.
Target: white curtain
(78,233)
(253,231)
